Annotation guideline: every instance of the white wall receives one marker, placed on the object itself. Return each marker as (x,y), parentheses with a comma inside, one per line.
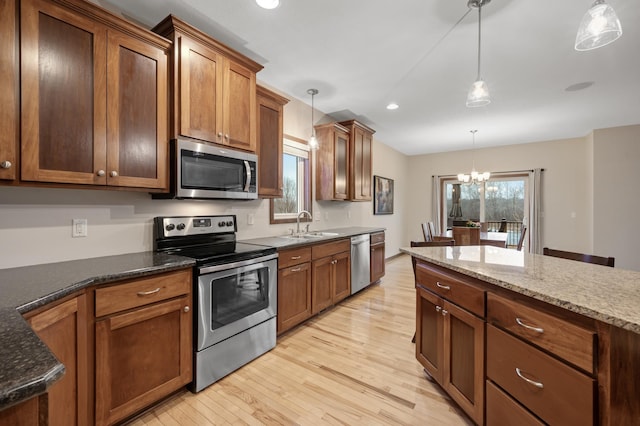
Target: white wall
(35,223)
(566,192)
(616,228)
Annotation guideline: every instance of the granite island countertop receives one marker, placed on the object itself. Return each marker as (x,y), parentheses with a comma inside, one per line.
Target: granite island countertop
(27,366)
(286,242)
(609,295)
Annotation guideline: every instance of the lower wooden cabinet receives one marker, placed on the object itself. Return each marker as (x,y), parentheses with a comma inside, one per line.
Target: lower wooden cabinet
(503,410)
(143,353)
(377,256)
(63,328)
(450,346)
(31,412)
(294,295)
(331,280)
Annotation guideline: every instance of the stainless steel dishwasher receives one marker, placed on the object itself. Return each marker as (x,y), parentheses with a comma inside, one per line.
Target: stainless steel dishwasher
(360,262)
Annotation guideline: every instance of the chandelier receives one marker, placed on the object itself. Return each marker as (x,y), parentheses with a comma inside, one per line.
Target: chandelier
(474,177)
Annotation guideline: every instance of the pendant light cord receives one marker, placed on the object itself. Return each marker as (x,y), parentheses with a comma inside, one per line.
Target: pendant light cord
(479,36)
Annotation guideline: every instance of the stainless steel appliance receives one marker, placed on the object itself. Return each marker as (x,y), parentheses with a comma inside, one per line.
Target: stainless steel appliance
(235,292)
(201,170)
(360,262)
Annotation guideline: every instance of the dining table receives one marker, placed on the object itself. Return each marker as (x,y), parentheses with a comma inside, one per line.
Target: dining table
(498,239)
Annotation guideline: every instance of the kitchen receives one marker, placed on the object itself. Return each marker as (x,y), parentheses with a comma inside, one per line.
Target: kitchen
(119,222)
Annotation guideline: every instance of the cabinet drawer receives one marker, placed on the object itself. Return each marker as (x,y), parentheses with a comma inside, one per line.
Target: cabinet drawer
(552,390)
(143,291)
(568,341)
(503,410)
(378,237)
(328,249)
(295,256)
(463,294)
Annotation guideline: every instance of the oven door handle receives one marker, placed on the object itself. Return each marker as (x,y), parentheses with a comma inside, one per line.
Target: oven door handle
(208,269)
(247,169)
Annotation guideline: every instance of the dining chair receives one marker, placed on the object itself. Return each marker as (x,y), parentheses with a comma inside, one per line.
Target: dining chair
(523,232)
(426,232)
(581,257)
(466,236)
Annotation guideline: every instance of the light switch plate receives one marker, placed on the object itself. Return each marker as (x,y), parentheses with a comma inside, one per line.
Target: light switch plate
(79,228)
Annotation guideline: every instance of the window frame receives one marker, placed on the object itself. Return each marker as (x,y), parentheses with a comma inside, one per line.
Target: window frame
(305,191)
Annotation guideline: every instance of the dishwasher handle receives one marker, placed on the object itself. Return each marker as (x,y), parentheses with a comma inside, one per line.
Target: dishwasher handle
(359,239)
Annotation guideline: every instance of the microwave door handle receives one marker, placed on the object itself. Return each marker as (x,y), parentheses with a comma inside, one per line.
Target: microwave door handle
(247,169)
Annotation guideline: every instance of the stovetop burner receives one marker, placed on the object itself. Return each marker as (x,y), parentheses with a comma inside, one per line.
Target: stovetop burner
(210,240)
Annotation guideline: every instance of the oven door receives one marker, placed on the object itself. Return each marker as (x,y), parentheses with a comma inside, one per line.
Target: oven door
(235,297)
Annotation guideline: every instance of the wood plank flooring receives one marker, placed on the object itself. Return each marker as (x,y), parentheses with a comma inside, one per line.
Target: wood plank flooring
(354,364)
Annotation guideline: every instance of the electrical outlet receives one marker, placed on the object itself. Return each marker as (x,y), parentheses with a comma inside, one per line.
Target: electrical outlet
(250,219)
(79,228)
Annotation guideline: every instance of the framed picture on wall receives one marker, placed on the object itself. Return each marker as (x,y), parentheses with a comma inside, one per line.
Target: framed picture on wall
(382,195)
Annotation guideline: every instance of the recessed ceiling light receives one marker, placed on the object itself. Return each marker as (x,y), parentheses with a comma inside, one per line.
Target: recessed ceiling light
(579,86)
(393,105)
(268,4)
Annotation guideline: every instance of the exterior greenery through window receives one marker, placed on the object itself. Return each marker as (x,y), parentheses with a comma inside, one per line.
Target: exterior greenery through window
(296,177)
(500,199)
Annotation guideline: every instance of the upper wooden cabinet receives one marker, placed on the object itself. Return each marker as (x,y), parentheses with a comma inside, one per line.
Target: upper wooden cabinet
(8,89)
(214,96)
(332,162)
(94,98)
(360,160)
(269,144)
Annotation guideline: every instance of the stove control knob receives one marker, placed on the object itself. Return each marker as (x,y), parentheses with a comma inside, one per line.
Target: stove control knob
(180,226)
(229,223)
(221,224)
(170,227)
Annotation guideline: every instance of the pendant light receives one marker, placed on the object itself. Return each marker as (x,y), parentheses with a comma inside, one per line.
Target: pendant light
(479,92)
(474,177)
(268,4)
(599,27)
(313,141)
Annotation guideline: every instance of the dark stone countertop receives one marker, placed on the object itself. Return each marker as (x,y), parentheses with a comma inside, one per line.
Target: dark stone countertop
(27,367)
(285,242)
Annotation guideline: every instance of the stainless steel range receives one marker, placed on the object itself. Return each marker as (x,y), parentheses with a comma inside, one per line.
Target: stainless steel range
(235,292)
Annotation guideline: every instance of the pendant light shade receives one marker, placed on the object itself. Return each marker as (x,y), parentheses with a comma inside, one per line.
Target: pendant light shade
(599,27)
(313,141)
(479,92)
(268,4)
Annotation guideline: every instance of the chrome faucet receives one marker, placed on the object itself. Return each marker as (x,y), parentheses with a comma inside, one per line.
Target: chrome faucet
(300,214)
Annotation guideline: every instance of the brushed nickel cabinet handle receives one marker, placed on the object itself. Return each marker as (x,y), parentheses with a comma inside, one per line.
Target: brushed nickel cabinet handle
(531,382)
(147,293)
(529,327)
(442,286)
(296,270)
(295,257)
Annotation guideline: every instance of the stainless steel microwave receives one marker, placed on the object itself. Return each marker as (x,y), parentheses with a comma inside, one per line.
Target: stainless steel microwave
(201,170)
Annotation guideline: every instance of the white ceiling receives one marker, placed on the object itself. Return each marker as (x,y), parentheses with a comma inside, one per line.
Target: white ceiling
(362,54)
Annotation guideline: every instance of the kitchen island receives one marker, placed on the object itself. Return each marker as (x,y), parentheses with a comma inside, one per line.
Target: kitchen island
(546,337)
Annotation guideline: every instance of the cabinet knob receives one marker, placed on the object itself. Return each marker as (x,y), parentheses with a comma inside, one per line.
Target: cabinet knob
(226,136)
(186,309)
(113,173)
(219,134)
(6,165)
(438,308)
(100,173)
(444,312)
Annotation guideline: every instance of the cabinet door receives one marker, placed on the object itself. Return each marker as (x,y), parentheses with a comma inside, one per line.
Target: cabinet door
(137,132)
(63,328)
(8,89)
(141,357)
(430,333)
(63,89)
(464,359)
(341,276)
(294,295)
(239,106)
(322,278)
(377,261)
(200,105)
(269,148)
(361,159)
(341,165)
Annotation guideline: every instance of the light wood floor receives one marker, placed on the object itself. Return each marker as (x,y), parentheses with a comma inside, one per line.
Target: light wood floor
(353,364)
